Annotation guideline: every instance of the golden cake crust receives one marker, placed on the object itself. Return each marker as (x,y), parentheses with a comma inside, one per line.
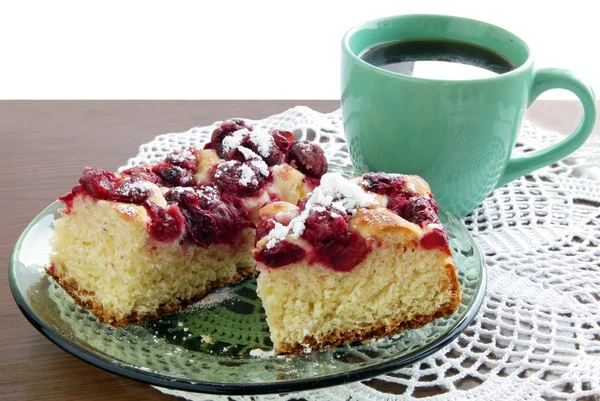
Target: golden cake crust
(104,316)
(374,222)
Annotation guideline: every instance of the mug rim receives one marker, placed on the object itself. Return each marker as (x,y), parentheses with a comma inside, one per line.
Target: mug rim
(352,31)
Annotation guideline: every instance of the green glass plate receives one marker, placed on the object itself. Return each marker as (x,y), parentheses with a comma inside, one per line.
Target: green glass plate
(207,349)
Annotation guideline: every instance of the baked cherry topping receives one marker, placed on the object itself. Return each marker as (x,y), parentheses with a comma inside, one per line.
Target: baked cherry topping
(324,225)
(184,159)
(384,184)
(227,128)
(335,246)
(326,229)
(416,208)
(104,185)
(407,204)
(208,218)
(242,154)
(435,239)
(264,227)
(68,198)
(264,145)
(241,179)
(143,173)
(344,252)
(307,157)
(166,224)
(174,175)
(177,169)
(283,139)
(281,254)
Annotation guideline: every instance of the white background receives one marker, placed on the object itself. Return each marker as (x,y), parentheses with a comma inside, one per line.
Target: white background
(240,49)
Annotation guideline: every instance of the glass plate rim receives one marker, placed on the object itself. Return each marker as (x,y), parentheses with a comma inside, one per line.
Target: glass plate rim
(239,388)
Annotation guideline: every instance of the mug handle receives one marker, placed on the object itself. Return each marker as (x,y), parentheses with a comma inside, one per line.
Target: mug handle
(546,79)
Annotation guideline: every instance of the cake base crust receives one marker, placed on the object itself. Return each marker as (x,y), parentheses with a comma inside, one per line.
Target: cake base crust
(104,316)
(374,332)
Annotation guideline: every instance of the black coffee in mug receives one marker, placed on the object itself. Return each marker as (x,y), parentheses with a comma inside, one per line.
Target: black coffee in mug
(437,59)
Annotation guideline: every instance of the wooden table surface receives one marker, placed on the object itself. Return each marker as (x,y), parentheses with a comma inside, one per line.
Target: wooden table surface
(43,147)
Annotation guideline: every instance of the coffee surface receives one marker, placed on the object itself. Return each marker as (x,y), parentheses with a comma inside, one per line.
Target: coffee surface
(437,59)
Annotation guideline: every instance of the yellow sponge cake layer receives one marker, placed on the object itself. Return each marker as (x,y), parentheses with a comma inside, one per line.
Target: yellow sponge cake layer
(105,259)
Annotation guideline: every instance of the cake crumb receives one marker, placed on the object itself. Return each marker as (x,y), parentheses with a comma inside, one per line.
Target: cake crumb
(307,349)
(260,353)
(206,338)
(180,324)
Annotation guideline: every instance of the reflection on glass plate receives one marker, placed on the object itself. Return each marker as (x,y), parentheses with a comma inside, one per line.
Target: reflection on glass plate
(207,349)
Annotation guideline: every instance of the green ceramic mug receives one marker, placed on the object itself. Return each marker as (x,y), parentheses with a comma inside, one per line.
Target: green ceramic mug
(457,134)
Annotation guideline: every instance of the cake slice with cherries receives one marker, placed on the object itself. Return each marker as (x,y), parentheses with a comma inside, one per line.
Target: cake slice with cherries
(150,240)
(356,260)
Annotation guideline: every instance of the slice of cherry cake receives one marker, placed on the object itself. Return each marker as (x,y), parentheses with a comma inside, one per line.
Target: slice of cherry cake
(355,260)
(153,239)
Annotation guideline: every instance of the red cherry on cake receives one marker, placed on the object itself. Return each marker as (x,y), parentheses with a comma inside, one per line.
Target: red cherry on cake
(241,179)
(281,254)
(174,175)
(98,183)
(405,203)
(184,159)
(177,169)
(105,185)
(416,208)
(227,128)
(308,157)
(208,218)
(382,183)
(323,226)
(143,173)
(166,224)
(344,252)
(283,139)
(263,144)
(264,227)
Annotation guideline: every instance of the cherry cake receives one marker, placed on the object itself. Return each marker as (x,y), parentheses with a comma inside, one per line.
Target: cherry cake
(355,260)
(151,240)
(338,260)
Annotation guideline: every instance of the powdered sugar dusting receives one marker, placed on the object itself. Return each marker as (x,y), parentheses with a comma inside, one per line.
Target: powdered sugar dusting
(247,177)
(263,141)
(137,187)
(336,192)
(181,190)
(248,153)
(215,298)
(224,167)
(255,160)
(234,140)
(183,156)
(129,210)
(262,167)
(276,234)
(208,192)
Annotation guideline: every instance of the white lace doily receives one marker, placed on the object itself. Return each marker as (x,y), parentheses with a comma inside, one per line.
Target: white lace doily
(537,335)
